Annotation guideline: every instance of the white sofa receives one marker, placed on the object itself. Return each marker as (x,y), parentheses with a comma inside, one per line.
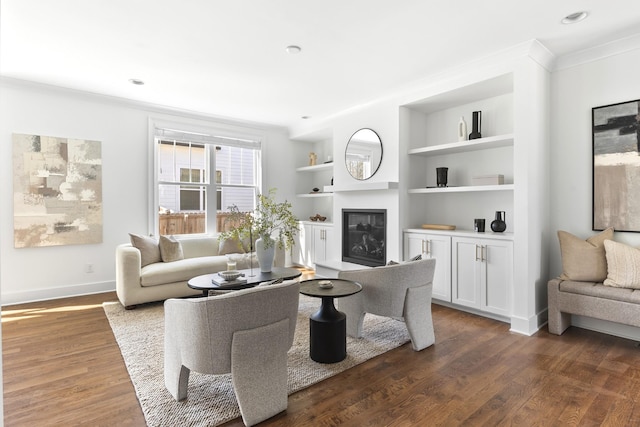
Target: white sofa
(138,284)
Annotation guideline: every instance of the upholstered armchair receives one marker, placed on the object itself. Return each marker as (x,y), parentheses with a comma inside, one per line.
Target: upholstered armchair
(246,333)
(400,291)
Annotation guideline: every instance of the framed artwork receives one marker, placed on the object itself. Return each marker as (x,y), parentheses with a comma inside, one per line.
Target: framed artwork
(616,166)
(57,191)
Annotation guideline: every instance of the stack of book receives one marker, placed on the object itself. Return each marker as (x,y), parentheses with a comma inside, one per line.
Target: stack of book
(222,283)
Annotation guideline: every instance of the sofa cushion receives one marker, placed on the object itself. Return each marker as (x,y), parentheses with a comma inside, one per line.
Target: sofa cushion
(193,247)
(162,273)
(623,265)
(148,247)
(230,246)
(598,290)
(170,249)
(584,260)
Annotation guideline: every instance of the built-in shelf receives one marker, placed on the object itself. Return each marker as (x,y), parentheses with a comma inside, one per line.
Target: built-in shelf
(465,233)
(318,194)
(462,189)
(365,186)
(315,168)
(465,146)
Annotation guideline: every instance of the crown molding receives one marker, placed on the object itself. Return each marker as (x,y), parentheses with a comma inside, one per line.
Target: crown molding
(595,53)
(140,105)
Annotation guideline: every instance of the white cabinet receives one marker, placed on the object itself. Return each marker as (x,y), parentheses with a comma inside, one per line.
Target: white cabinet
(312,244)
(432,246)
(302,249)
(482,274)
(322,236)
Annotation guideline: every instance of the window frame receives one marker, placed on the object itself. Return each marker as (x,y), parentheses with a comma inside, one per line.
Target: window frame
(208,133)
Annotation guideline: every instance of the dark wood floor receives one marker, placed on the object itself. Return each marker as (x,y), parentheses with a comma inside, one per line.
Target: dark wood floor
(62,366)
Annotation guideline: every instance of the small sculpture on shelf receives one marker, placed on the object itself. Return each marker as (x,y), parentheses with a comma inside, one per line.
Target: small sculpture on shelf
(441,176)
(462,130)
(499,225)
(318,217)
(313,158)
(477,124)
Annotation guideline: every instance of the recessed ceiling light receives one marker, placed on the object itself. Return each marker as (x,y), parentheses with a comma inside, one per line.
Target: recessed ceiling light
(136,82)
(293,49)
(574,17)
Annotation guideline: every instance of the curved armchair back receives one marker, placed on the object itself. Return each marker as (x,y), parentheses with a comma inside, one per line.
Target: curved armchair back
(203,328)
(399,291)
(384,289)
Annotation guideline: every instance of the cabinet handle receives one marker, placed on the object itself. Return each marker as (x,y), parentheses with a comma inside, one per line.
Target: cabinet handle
(477,259)
(422,249)
(483,253)
(429,247)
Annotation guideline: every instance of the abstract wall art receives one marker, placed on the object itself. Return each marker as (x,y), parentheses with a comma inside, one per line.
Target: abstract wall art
(57,191)
(616,166)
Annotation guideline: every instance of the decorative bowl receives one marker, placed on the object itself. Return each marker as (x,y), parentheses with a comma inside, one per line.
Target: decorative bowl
(229,274)
(325,284)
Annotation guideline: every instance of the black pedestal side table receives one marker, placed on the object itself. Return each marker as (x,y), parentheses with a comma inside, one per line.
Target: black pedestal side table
(328,326)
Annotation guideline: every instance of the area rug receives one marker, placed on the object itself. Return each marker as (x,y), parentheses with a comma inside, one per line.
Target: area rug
(211,401)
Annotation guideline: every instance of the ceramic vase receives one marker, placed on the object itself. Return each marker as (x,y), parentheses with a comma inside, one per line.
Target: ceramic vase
(441,176)
(498,225)
(265,255)
(477,124)
(462,130)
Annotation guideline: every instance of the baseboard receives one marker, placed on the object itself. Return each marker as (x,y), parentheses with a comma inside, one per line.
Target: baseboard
(606,327)
(470,310)
(57,293)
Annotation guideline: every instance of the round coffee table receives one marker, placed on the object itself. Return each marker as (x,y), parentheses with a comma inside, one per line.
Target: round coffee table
(252,276)
(328,326)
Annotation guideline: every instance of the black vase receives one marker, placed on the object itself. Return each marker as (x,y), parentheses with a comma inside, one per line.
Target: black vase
(477,124)
(441,177)
(498,225)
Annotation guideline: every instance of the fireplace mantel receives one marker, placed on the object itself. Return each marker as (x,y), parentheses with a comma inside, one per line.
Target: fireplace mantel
(361,186)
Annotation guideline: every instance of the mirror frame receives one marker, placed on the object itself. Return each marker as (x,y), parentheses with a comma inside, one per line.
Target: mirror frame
(373,170)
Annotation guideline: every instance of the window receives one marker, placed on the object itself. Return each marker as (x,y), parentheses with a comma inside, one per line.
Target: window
(198,177)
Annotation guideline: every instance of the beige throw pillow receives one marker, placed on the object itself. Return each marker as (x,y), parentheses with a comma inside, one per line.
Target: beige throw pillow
(148,247)
(230,246)
(584,260)
(170,249)
(623,265)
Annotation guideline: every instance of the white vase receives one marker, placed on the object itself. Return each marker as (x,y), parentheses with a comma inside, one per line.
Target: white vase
(462,130)
(265,255)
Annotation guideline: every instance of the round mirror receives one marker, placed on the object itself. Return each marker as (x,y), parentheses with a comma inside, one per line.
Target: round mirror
(363,154)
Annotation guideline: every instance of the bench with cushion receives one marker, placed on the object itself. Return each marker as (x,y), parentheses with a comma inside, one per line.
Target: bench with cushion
(600,279)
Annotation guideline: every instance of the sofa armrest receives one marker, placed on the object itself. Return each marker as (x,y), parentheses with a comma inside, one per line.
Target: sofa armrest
(128,271)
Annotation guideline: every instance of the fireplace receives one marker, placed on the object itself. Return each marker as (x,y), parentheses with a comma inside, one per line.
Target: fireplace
(364,235)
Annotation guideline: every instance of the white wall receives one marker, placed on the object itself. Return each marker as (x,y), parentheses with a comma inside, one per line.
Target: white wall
(575,91)
(382,118)
(30,274)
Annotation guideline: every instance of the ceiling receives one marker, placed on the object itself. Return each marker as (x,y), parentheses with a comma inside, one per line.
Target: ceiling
(227,58)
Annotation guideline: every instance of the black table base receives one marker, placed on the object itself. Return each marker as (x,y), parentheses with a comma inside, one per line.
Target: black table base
(328,333)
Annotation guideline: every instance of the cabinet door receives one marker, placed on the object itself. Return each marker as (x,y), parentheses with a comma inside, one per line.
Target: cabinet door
(439,247)
(466,272)
(303,247)
(432,246)
(321,238)
(414,244)
(497,277)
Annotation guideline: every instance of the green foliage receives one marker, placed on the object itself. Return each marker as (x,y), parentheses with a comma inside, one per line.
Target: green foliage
(272,221)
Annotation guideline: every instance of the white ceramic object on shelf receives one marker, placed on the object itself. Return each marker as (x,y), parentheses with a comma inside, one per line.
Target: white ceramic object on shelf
(462,130)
